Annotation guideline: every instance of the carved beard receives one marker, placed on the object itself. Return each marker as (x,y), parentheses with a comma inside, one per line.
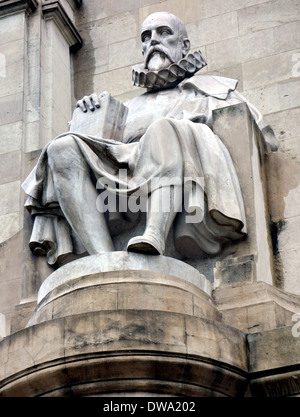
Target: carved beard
(157,61)
(170,75)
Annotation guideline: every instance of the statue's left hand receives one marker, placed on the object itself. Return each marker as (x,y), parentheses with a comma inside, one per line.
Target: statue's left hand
(90,102)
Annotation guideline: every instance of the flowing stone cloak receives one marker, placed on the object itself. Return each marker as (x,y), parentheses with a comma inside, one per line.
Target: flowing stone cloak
(191,150)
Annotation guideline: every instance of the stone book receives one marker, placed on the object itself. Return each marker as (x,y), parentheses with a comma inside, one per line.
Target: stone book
(107,121)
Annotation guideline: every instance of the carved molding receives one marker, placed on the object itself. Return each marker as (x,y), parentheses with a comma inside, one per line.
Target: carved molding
(13,6)
(77,3)
(54,10)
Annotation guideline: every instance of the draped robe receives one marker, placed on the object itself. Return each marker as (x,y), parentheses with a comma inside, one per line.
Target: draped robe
(192,150)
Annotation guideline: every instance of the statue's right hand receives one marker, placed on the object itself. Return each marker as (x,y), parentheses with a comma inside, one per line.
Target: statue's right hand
(89,102)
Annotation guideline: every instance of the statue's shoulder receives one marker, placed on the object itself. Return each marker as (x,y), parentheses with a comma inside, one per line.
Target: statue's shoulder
(211,85)
(139,99)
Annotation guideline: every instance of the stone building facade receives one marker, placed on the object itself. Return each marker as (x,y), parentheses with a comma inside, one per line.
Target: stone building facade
(52,53)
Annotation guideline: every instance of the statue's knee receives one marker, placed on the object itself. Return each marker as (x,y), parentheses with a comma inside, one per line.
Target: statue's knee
(60,151)
(161,123)
(204,128)
(61,145)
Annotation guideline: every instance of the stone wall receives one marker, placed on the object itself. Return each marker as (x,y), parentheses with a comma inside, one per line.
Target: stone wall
(255,41)
(36,105)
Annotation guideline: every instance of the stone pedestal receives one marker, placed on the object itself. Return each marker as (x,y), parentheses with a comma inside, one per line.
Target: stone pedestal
(122,322)
(124,281)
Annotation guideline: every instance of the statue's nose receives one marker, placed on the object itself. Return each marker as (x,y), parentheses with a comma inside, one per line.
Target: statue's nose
(154,40)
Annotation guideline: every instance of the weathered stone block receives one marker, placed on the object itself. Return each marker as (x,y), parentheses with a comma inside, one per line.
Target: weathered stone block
(128,52)
(90,61)
(291,265)
(9,226)
(223,54)
(235,270)
(285,123)
(10,292)
(289,93)
(93,10)
(10,137)
(289,236)
(265,98)
(12,28)
(11,110)
(218,6)
(10,166)
(11,258)
(10,197)
(268,70)
(13,80)
(286,36)
(213,29)
(266,15)
(2,326)
(234,72)
(118,28)
(273,349)
(122,83)
(256,45)
(34,136)
(176,7)
(256,306)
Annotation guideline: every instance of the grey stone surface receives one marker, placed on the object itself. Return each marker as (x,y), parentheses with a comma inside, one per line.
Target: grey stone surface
(110,350)
(2,326)
(121,261)
(10,225)
(10,197)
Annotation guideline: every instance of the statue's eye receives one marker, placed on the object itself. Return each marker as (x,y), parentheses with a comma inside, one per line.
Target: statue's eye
(146,36)
(165,31)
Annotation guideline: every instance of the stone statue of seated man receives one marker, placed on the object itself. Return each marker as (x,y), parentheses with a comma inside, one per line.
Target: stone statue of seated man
(168,155)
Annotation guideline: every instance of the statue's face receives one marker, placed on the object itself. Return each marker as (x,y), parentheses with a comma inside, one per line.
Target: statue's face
(162,41)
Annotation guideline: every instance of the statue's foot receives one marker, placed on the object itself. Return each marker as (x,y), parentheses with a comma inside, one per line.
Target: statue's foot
(146,244)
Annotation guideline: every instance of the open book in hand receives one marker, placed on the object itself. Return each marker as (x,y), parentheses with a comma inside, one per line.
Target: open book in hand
(106,122)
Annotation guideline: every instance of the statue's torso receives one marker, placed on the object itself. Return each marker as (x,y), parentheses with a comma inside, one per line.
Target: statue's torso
(179,102)
(146,108)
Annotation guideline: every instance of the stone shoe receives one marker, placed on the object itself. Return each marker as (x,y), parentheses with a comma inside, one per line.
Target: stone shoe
(149,244)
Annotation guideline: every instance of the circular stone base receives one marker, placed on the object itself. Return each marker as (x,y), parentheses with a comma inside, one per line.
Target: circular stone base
(124,322)
(122,281)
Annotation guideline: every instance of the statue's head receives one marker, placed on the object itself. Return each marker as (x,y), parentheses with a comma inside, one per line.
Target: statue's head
(167,60)
(164,40)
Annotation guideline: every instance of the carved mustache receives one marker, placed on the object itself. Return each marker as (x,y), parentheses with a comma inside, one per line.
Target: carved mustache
(154,49)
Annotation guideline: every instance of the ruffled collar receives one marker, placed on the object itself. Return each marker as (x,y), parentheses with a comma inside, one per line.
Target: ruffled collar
(167,77)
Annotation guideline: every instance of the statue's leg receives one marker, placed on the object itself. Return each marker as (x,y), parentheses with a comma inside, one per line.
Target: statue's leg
(163,205)
(162,154)
(77,195)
